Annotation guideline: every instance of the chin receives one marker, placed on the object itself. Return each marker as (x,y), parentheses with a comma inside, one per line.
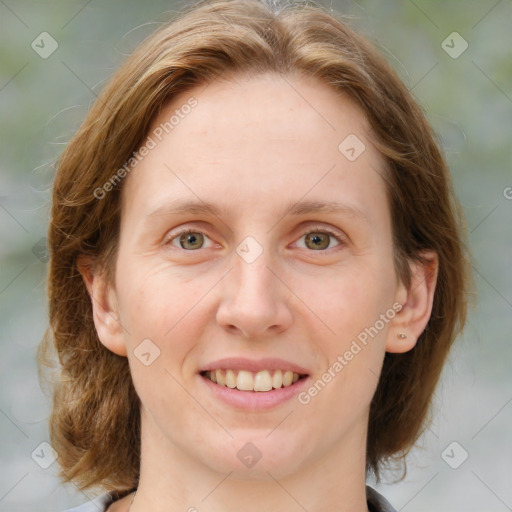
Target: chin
(252,458)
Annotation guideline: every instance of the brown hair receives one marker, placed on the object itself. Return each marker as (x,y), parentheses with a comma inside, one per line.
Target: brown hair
(95,424)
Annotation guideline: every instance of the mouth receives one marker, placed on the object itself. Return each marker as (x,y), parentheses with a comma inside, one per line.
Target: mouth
(253,385)
(262,381)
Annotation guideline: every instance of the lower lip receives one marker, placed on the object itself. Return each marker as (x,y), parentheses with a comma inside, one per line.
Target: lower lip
(255,400)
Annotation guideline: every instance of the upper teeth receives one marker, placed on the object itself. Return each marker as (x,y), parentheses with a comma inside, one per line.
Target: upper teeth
(249,381)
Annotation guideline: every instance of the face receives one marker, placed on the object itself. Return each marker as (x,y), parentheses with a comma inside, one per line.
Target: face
(255,237)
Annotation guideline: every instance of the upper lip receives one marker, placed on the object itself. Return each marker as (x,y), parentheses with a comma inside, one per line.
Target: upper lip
(253,365)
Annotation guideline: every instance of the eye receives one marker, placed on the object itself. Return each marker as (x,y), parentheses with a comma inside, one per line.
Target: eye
(188,240)
(317,240)
(320,240)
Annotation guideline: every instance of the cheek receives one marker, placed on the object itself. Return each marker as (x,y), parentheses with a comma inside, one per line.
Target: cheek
(159,311)
(155,300)
(356,305)
(351,298)
(164,314)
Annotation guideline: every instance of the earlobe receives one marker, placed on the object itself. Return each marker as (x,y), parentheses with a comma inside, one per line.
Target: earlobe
(417,301)
(104,307)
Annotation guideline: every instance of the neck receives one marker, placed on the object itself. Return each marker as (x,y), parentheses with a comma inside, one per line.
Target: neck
(171,479)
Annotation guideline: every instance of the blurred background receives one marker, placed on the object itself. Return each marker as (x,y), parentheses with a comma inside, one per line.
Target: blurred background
(456,58)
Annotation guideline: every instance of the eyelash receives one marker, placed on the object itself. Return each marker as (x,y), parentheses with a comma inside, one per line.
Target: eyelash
(319,230)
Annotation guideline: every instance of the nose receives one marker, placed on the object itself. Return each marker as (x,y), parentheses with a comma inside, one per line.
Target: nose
(254,300)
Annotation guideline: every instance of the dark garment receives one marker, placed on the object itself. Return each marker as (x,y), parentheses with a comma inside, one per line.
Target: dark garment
(376,503)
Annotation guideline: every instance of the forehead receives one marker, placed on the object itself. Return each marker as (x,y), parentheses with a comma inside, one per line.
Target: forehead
(289,108)
(260,136)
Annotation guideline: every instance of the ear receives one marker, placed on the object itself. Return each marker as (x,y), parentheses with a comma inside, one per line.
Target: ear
(416,301)
(104,306)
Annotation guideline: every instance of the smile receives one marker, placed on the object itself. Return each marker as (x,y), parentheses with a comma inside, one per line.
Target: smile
(262,381)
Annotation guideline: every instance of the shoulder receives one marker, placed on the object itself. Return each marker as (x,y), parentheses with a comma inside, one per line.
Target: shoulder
(98,504)
(377,502)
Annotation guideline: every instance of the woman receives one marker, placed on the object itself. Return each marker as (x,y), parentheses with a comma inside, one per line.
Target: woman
(257,270)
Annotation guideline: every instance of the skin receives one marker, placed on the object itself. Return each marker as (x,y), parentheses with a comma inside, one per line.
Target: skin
(251,146)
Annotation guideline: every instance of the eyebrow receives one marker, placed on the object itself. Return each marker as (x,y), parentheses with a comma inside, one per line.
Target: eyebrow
(180,207)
